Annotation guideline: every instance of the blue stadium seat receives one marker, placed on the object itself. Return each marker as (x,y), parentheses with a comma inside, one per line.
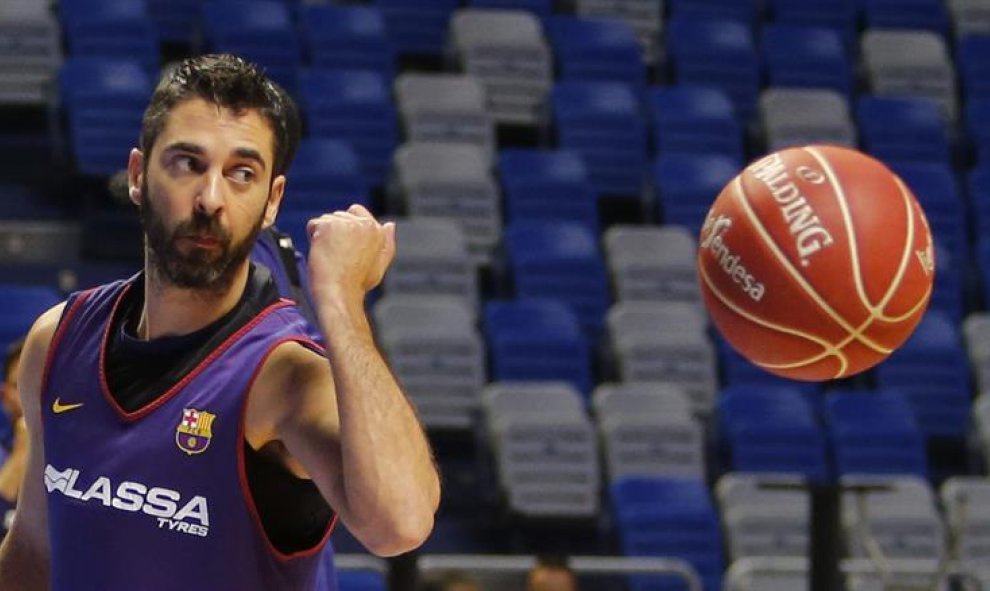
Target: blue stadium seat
(104,100)
(417,26)
(588,49)
(931,15)
(772,430)
(354,106)
(20,305)
(948,295)
(938,192)
(177,21)
(716,52)
(111,28)
(804,56)
(687,185)
(978,126)
(973,60)
(668,517)
(694,120)
(325,175)
(874,432)
(562,261)
(931,370)
(261,31)
(743,11)
(543,9)
(347,37)
(361,580)
(537,340)
(978,184)
(602,122)
(547,185)
(737,371)
(839,15)
(903,129)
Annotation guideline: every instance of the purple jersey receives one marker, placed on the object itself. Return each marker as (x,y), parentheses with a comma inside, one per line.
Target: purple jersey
(158,499)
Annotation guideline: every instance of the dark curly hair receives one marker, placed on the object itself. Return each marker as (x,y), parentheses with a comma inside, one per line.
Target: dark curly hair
(231,82)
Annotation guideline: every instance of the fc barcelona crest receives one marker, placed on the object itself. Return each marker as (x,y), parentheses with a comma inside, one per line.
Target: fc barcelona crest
(195,431)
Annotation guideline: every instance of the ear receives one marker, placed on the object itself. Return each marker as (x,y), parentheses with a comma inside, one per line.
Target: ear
(274,200)
(135,176)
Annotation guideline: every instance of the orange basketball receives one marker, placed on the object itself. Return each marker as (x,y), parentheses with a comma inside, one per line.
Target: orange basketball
(816,262)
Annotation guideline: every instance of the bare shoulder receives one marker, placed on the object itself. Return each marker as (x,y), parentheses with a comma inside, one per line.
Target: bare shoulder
(293,380)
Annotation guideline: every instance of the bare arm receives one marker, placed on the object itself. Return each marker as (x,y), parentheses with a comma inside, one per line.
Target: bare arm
(12,471)
(348,424)
(24,556)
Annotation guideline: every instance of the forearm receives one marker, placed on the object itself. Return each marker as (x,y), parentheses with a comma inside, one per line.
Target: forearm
(389,477)
(22,567)
(11,474)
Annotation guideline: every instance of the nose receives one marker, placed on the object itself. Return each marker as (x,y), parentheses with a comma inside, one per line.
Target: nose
(209,200)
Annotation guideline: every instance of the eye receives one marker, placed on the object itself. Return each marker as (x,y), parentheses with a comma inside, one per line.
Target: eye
(185,163)
(243,174)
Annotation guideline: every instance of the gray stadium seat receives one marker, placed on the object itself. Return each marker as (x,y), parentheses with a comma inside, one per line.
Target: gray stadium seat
(767,574)
(976,332)
(649,433)
(970,17)
(30,52)
(645,17)
(451,181)
(546,451)
(507,52)
(966,500)
(795,117)
(652,263)
(908,574)
(446,108)
(664,342)
(432,258)
(981,419)
(762,520)
(911,63)
(438,356)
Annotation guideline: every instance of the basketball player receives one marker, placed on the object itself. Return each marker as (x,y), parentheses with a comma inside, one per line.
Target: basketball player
(181,422)
(15,447)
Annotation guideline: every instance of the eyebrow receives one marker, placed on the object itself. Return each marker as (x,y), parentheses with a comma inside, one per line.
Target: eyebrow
(190,148)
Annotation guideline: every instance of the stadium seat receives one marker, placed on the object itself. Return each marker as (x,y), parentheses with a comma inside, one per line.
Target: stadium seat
(545,447)
(768,573)
(261,31)
(966,500)
(507,51)
(874,433)
(177,21)
(896,129)
(664,342)
(798,117)
(433,260)
(739,371)
(644,16)
(562,261)
(932,372)
(938,192)
(417,27)
(648,430)
(652,263)
(687,185)
(839,15)
(104,100)
(325,175)
(764,514)
(802,56)
(445,108)
(111,28)
(354,106)
(434,347)
(978,126)
(976,333)
(912,63)
(973,57)
(597,49)
(744,12)
(550,185)
(772,430)
(969,17)
(931,15)
(537,340)
(716,52)
(543,9)
(694,120)
(601,121)
(348,38)
(452,181)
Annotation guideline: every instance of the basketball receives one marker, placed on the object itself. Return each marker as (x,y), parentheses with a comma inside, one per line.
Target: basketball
(816,262)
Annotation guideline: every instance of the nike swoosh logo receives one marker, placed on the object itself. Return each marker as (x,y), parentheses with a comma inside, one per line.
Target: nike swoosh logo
(58,408)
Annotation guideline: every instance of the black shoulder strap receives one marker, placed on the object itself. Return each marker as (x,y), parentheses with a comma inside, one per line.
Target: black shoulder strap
(287,252)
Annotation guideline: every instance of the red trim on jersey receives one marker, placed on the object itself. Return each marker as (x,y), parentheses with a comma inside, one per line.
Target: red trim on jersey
(200,367)
(242,470)
(63,324)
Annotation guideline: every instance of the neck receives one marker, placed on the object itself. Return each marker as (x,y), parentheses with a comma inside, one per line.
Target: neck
(175,311)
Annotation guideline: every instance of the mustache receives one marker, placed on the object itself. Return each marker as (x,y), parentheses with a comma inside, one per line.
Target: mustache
(204,226)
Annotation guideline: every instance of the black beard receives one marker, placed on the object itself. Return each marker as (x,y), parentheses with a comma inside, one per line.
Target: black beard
(200,269)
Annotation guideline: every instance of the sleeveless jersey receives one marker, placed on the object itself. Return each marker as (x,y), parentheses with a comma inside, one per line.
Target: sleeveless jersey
(157,499)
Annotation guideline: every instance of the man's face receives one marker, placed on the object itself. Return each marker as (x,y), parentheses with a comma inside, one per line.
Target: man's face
(205,193)
(11,395)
